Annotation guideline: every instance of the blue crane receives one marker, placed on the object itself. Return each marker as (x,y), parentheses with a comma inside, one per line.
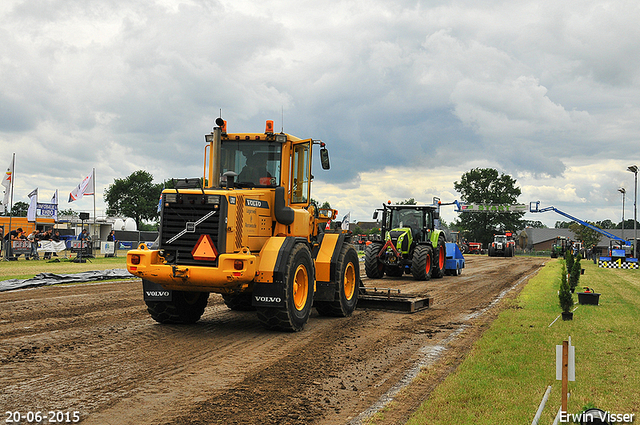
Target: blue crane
(534,208)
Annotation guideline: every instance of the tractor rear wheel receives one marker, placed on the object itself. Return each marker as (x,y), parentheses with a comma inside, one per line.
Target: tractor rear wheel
(421,264)
(238,302)
(298,294)
(440,258)
(347,279)
(374,268)
(184,308)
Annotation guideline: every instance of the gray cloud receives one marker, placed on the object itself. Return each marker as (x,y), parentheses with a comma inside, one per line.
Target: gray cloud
(527,88)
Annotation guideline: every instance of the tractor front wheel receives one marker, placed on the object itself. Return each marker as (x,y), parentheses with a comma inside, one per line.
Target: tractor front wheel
(374,268)
(440,258)
(421,264)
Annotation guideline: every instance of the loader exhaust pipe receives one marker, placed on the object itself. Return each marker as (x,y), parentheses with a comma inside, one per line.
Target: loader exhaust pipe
(215,140)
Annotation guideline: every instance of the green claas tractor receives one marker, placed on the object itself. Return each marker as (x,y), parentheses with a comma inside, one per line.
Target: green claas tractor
(410,244)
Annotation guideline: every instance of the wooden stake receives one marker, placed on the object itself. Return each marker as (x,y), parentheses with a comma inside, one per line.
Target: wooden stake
(565,374)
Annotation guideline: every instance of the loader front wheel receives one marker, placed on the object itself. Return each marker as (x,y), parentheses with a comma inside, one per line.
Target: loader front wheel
(373,267)
(421,264)
(184,308)
(347,281)
(298,288)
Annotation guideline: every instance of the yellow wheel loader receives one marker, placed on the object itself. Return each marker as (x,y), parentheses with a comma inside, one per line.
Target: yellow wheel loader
(248,231)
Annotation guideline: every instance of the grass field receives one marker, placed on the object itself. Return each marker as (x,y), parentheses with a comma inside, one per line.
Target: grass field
(23,269)
(505,376)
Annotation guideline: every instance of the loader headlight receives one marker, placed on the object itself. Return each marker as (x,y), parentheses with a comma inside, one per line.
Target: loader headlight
(171,198)
(213,199)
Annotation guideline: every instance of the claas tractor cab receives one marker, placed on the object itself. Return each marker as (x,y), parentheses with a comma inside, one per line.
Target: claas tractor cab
(247,230)
(411,244)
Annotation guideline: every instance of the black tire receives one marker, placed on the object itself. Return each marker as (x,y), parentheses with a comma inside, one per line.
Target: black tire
(347,280)
(298,294)
(238,302)
(184,308)
(373,267)
(394,271)
(492,252)
(440,259)
(422,262)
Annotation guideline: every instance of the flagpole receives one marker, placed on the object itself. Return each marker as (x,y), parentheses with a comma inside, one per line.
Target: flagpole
(94,199)
(13,175)
(57,210)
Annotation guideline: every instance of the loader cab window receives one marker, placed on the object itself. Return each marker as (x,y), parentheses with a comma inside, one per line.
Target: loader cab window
(256,163)
(301,173)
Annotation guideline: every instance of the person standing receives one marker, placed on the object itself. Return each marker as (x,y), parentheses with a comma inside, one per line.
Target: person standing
(112,238)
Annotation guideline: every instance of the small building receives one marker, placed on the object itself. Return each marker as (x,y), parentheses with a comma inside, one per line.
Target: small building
(534,239)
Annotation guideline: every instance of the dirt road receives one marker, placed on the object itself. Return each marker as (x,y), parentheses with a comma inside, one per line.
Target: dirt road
(93,349)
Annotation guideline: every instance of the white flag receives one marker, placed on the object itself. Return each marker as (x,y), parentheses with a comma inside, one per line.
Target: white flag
(6,182)
(345,221)
(33,205)
(84,188)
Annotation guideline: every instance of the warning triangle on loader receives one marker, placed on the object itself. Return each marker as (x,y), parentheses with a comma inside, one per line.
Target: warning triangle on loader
(204,249)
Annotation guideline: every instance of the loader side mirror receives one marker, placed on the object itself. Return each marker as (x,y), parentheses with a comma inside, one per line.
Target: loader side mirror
(375,215)
(324,158)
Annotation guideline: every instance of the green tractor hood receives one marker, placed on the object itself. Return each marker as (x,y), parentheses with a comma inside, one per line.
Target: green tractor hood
(401,238)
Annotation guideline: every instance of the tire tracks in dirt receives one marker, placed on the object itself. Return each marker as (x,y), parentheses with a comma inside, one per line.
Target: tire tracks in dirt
(93,348)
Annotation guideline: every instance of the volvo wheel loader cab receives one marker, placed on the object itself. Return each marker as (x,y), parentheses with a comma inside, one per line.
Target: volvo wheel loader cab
(411,243)
(247,230)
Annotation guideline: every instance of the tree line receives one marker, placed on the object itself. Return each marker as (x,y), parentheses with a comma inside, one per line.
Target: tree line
(137,196)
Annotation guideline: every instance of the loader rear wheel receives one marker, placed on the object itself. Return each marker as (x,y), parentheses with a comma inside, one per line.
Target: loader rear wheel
(184,308)
(374,268)
(238,302)
(421,264)
(347,281)
(298,289)
(440,257)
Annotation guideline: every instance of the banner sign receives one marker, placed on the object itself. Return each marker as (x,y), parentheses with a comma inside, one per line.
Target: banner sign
(107,247)
(21,247)
(517,208)
(51,246)
(47,210)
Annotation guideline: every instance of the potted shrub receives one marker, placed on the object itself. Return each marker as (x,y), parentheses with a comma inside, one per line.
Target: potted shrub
(564,295)
(568,259)
(574,274)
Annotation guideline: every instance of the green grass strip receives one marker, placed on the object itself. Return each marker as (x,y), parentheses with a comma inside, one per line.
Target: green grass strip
(23,269)
(508,370)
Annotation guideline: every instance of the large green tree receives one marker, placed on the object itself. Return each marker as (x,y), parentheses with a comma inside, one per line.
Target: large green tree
(487,186)
(588,236)
(135,196)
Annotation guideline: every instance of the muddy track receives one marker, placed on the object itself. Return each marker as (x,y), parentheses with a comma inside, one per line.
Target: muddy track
(94,349)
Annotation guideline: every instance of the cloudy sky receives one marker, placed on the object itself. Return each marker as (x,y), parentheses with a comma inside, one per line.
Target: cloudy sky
(408,95)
